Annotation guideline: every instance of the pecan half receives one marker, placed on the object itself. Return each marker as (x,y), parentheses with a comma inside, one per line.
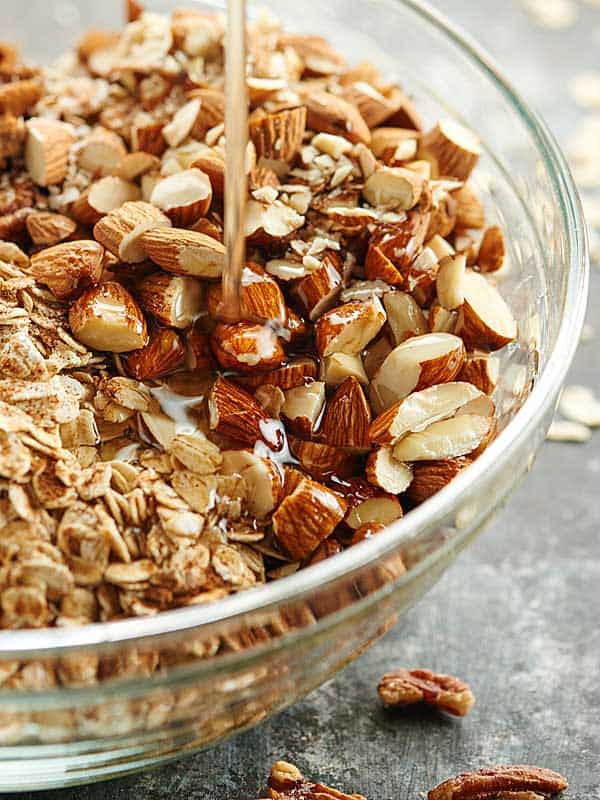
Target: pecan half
(500,781)
(405,687)
(286,782)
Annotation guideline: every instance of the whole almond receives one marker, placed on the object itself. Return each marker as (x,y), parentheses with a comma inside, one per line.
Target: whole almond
(47,228)
(185,252)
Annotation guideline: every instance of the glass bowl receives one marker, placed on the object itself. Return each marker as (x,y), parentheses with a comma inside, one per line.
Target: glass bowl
(183,679)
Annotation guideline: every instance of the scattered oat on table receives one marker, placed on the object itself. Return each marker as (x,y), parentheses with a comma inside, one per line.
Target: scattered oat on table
(563,430)
(552,14)
(580,404)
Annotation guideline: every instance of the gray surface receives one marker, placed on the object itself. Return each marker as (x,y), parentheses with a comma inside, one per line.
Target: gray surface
(517,616)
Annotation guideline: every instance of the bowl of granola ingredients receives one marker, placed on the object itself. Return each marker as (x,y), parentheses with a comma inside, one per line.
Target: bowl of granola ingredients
(203,520)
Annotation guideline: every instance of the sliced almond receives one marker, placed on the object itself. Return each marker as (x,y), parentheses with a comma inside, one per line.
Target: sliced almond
(121,230)
(450,282)
(184,252)
(134,165)
(107,318)
(470,212)
(429,477)
(47,150)
(339,366)
(380,510)
(184,197)
(347,417)
(449,438)
(421,409)
(295,373)
(182,123)
(237,415)
(270,223)
(303,406)
(47,228)
(440,247)
(349,328)
(481,370)
(103,196)
(417,363)
(387,474)
(318,291)
(404,316)
(262,477)
(261,299)
(212,110)
(393,188)
(580,404)
(485,321)
(162,355)
(101,151)
(379,267)
(451,149)
(247,347)
(173,300)
(491,250)
(278,135)
(329,113)
(307,516)
(69,267)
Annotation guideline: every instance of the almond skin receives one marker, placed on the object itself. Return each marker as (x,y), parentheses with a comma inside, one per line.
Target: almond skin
(484,320)
(278,135)
(347,417)
(246,347)
(451,149)
(319,290)
(306,517)
(163,354)
(322,461)
(491,250)
(379,267)
(236,414)
(107,317)
(68,268)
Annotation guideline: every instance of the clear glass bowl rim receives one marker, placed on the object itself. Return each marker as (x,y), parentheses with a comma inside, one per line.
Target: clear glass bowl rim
(45,643)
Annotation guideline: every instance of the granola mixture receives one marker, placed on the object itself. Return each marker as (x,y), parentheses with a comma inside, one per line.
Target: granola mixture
(153,457)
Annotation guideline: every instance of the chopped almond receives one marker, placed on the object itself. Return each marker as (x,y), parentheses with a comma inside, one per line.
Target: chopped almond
(121,230)
(491,250)
(349,328)
(417,363)
(173,300)
(101,151)
(332,114)
(183,197)
(307,516)
(47,150)
(101,197)
(420,409)
(450,282)
(451,149)
(247,347)
(382,509)
(163,354)
(261,299)
(386,473)
(107,317)
(318,291)
(323,460)
(347,417)
(484,320)
(404,316)
(302,407)
(339,366)
(393,188)
(429,477)
(278,135)
(448,438)
(481,370)
(470,212)
(236,414)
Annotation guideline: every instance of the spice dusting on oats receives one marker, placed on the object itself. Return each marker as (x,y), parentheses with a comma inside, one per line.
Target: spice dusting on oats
(152,457)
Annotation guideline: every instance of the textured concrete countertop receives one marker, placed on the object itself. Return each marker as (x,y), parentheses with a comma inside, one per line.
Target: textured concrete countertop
(518,614)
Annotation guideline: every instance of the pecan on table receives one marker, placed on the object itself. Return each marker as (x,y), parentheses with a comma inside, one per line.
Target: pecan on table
(286,782)
(519,782)
(405,687)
